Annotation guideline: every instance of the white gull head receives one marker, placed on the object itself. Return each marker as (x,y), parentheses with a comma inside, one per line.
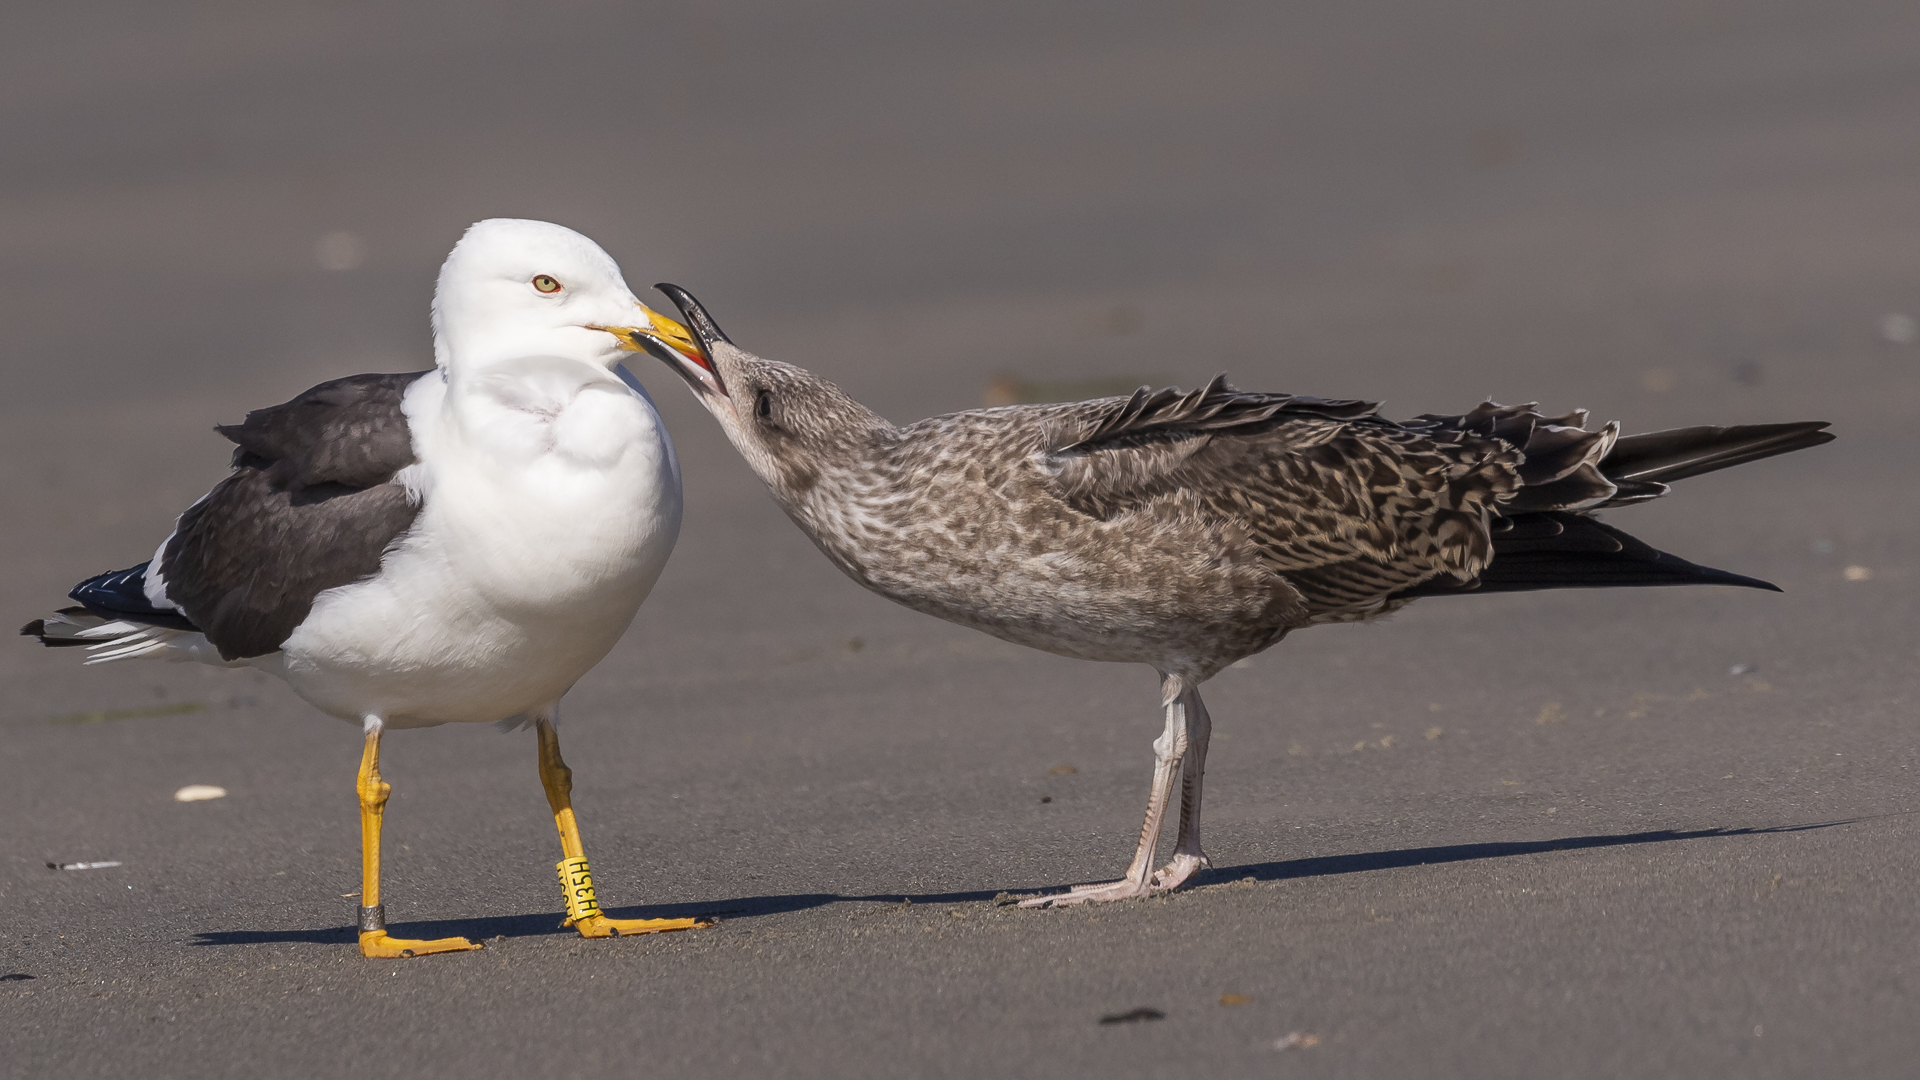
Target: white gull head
(514,288)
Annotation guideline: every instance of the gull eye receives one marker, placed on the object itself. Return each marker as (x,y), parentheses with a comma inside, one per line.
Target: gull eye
(545,284)
(763,405)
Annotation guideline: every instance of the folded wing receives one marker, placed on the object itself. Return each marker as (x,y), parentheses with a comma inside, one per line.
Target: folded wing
(311,504)
(1359,513)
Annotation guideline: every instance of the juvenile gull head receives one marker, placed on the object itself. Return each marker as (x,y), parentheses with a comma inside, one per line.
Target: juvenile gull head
(788,423)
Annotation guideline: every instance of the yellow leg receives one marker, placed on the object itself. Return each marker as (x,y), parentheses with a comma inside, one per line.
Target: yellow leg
(583,910)
(373,915)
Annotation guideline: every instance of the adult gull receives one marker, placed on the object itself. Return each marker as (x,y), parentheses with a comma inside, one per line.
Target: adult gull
(457,545)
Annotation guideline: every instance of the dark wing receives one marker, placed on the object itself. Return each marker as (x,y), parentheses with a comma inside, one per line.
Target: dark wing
(1561,550)
(1348,507)
(349,431)
(1159,415)
(310,505)
(1358,513)
(1545,540)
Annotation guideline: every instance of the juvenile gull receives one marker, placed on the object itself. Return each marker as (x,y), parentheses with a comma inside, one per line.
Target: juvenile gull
(1187,531)
(450,546)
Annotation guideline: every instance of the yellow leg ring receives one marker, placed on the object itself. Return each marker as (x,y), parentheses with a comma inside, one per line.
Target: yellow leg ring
(576,882)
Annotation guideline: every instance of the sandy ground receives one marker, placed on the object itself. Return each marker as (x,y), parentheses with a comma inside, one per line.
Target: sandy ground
(1644,833)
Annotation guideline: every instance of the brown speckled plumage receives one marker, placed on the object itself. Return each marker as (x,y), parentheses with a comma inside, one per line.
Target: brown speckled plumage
(1188,531)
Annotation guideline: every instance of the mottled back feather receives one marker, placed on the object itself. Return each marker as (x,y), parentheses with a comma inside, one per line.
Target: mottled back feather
(1347,507)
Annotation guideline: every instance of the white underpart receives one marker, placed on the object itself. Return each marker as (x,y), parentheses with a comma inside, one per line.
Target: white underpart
(550,502)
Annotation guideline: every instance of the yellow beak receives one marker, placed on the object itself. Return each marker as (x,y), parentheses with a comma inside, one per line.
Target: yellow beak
(660,328)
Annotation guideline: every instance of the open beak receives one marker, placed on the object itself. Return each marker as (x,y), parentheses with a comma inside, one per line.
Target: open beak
(691,356)
(659,333)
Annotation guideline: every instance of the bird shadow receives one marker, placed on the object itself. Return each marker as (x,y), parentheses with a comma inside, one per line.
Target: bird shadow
(541,924)
(1330,865)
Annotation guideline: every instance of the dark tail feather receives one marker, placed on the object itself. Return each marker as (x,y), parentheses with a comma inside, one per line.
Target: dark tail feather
(1661,457)
(1560,550)
(1569,468)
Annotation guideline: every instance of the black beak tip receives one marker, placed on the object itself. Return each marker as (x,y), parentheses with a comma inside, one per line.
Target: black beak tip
(695,316)
(659,350)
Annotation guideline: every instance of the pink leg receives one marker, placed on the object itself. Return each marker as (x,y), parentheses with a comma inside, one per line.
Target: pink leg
(1182,706)
(1188,859)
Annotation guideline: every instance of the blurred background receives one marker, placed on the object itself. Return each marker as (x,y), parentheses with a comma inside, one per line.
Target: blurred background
(1669,213)
(1672,212)
(1664,211)
(1417,201)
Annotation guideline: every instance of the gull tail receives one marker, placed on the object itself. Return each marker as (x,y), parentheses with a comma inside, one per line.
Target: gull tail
(117,621)
(1545,538)
(1661,457)
(105,639)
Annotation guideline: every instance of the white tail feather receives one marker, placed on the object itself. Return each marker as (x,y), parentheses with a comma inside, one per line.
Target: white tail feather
(109,640)
(139,641)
